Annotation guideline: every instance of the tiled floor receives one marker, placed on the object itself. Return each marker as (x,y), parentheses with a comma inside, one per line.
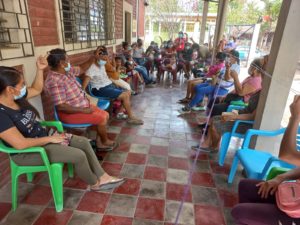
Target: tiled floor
(155,158)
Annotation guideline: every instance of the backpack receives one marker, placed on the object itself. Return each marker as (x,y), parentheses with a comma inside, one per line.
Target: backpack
(288,198)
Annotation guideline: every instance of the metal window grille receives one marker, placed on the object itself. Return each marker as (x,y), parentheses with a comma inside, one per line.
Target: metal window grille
(87,23)
(15,35)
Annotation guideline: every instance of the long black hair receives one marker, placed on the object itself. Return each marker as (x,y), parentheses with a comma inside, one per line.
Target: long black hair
(11,77)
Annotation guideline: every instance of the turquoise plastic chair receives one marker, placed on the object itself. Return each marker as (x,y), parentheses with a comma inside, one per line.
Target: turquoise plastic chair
(226,138)
(54,170)
(257,164)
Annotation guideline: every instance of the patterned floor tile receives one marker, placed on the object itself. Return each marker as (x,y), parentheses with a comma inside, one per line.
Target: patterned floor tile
(155,173)
(152,209)
(137,221)
(40,195)
(186,216)
(159,161)
(132,171)
(95,202)
(158,150)
(205,195)
(153,189)
(116,220)
(130,187)
(71,198)
(139,148)
(116,157)
(75,183)
(159,141)
(111,168)
(208,215)
(50,217)
(85,218)
(4,209)
(177,176)
(178,163)
(136,158)
(176,191)
(25,215)
(121,205)
(203,179)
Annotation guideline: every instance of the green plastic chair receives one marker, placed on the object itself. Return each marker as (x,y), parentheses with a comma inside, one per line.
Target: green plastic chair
(54,170)
(275,171)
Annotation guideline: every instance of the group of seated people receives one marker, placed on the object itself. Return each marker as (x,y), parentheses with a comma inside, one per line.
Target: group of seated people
(257,202)
(171,56)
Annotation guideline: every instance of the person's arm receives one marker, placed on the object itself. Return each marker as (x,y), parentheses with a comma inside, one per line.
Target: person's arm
(228,71)
(288,148)
(38,83)
(239,88)
(233,116)
(13,137)
(85,81)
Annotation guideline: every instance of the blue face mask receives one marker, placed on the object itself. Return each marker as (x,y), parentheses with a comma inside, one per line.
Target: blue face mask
(22,93)
(101,62)
(67,69)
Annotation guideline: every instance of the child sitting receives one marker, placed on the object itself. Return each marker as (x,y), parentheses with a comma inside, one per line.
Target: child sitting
(120,82)
(134,76)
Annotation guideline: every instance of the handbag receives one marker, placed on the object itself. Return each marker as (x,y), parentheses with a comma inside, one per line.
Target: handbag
(288,198)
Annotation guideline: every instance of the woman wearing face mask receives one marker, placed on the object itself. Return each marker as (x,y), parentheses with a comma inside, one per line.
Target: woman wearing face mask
(102,86)
(20,129)
(70,100)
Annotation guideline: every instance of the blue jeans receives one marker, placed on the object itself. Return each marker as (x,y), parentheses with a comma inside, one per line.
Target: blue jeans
(205,89)
(143,71)
(139,61)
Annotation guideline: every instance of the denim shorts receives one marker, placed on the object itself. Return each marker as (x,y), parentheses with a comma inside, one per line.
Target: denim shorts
(109,91)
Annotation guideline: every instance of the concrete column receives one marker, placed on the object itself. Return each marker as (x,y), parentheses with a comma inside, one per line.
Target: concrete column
(253,42)
(159,28)
(220,25)
(150,29)
(203,22)
(184,26)
(282,65)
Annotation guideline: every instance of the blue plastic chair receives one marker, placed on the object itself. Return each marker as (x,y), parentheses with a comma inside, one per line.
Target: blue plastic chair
(257,164)
(67,125)
(103,103)
(226,138)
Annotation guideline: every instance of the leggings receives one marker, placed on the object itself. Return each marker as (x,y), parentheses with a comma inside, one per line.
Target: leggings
(79,153)
(253,210)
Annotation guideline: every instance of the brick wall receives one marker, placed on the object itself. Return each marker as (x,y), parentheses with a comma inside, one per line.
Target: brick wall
(43,22)
(119,19)
(141,22)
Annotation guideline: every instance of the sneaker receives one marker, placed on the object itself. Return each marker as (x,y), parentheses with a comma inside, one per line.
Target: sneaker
(184,110)
(200,108)
(122,116)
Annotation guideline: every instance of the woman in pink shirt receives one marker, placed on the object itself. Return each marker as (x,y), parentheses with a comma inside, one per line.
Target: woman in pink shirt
(213,70)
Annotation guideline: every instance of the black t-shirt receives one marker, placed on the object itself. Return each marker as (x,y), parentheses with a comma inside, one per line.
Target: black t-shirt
(24,120)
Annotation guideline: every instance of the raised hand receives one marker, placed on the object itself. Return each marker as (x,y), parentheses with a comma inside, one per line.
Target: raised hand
(41,62)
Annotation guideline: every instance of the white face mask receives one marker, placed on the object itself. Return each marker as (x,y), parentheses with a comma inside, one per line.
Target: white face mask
(67,69)
(22,93)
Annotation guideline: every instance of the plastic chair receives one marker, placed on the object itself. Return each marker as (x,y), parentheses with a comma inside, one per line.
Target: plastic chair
(103,103)
(236,105)
(257,163)
(54,170)
(67,125)
(226,138)
(275,171)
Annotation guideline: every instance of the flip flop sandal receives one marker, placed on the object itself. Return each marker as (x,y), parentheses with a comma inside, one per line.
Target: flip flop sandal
(115,182)
(108,148)
(135,121)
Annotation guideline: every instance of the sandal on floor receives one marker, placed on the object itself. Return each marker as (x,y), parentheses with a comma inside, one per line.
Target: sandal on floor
(108,148)
(135,121)
(113,183)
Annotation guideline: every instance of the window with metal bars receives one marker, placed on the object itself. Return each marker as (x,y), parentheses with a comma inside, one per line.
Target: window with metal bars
(15,35)
(87,23)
